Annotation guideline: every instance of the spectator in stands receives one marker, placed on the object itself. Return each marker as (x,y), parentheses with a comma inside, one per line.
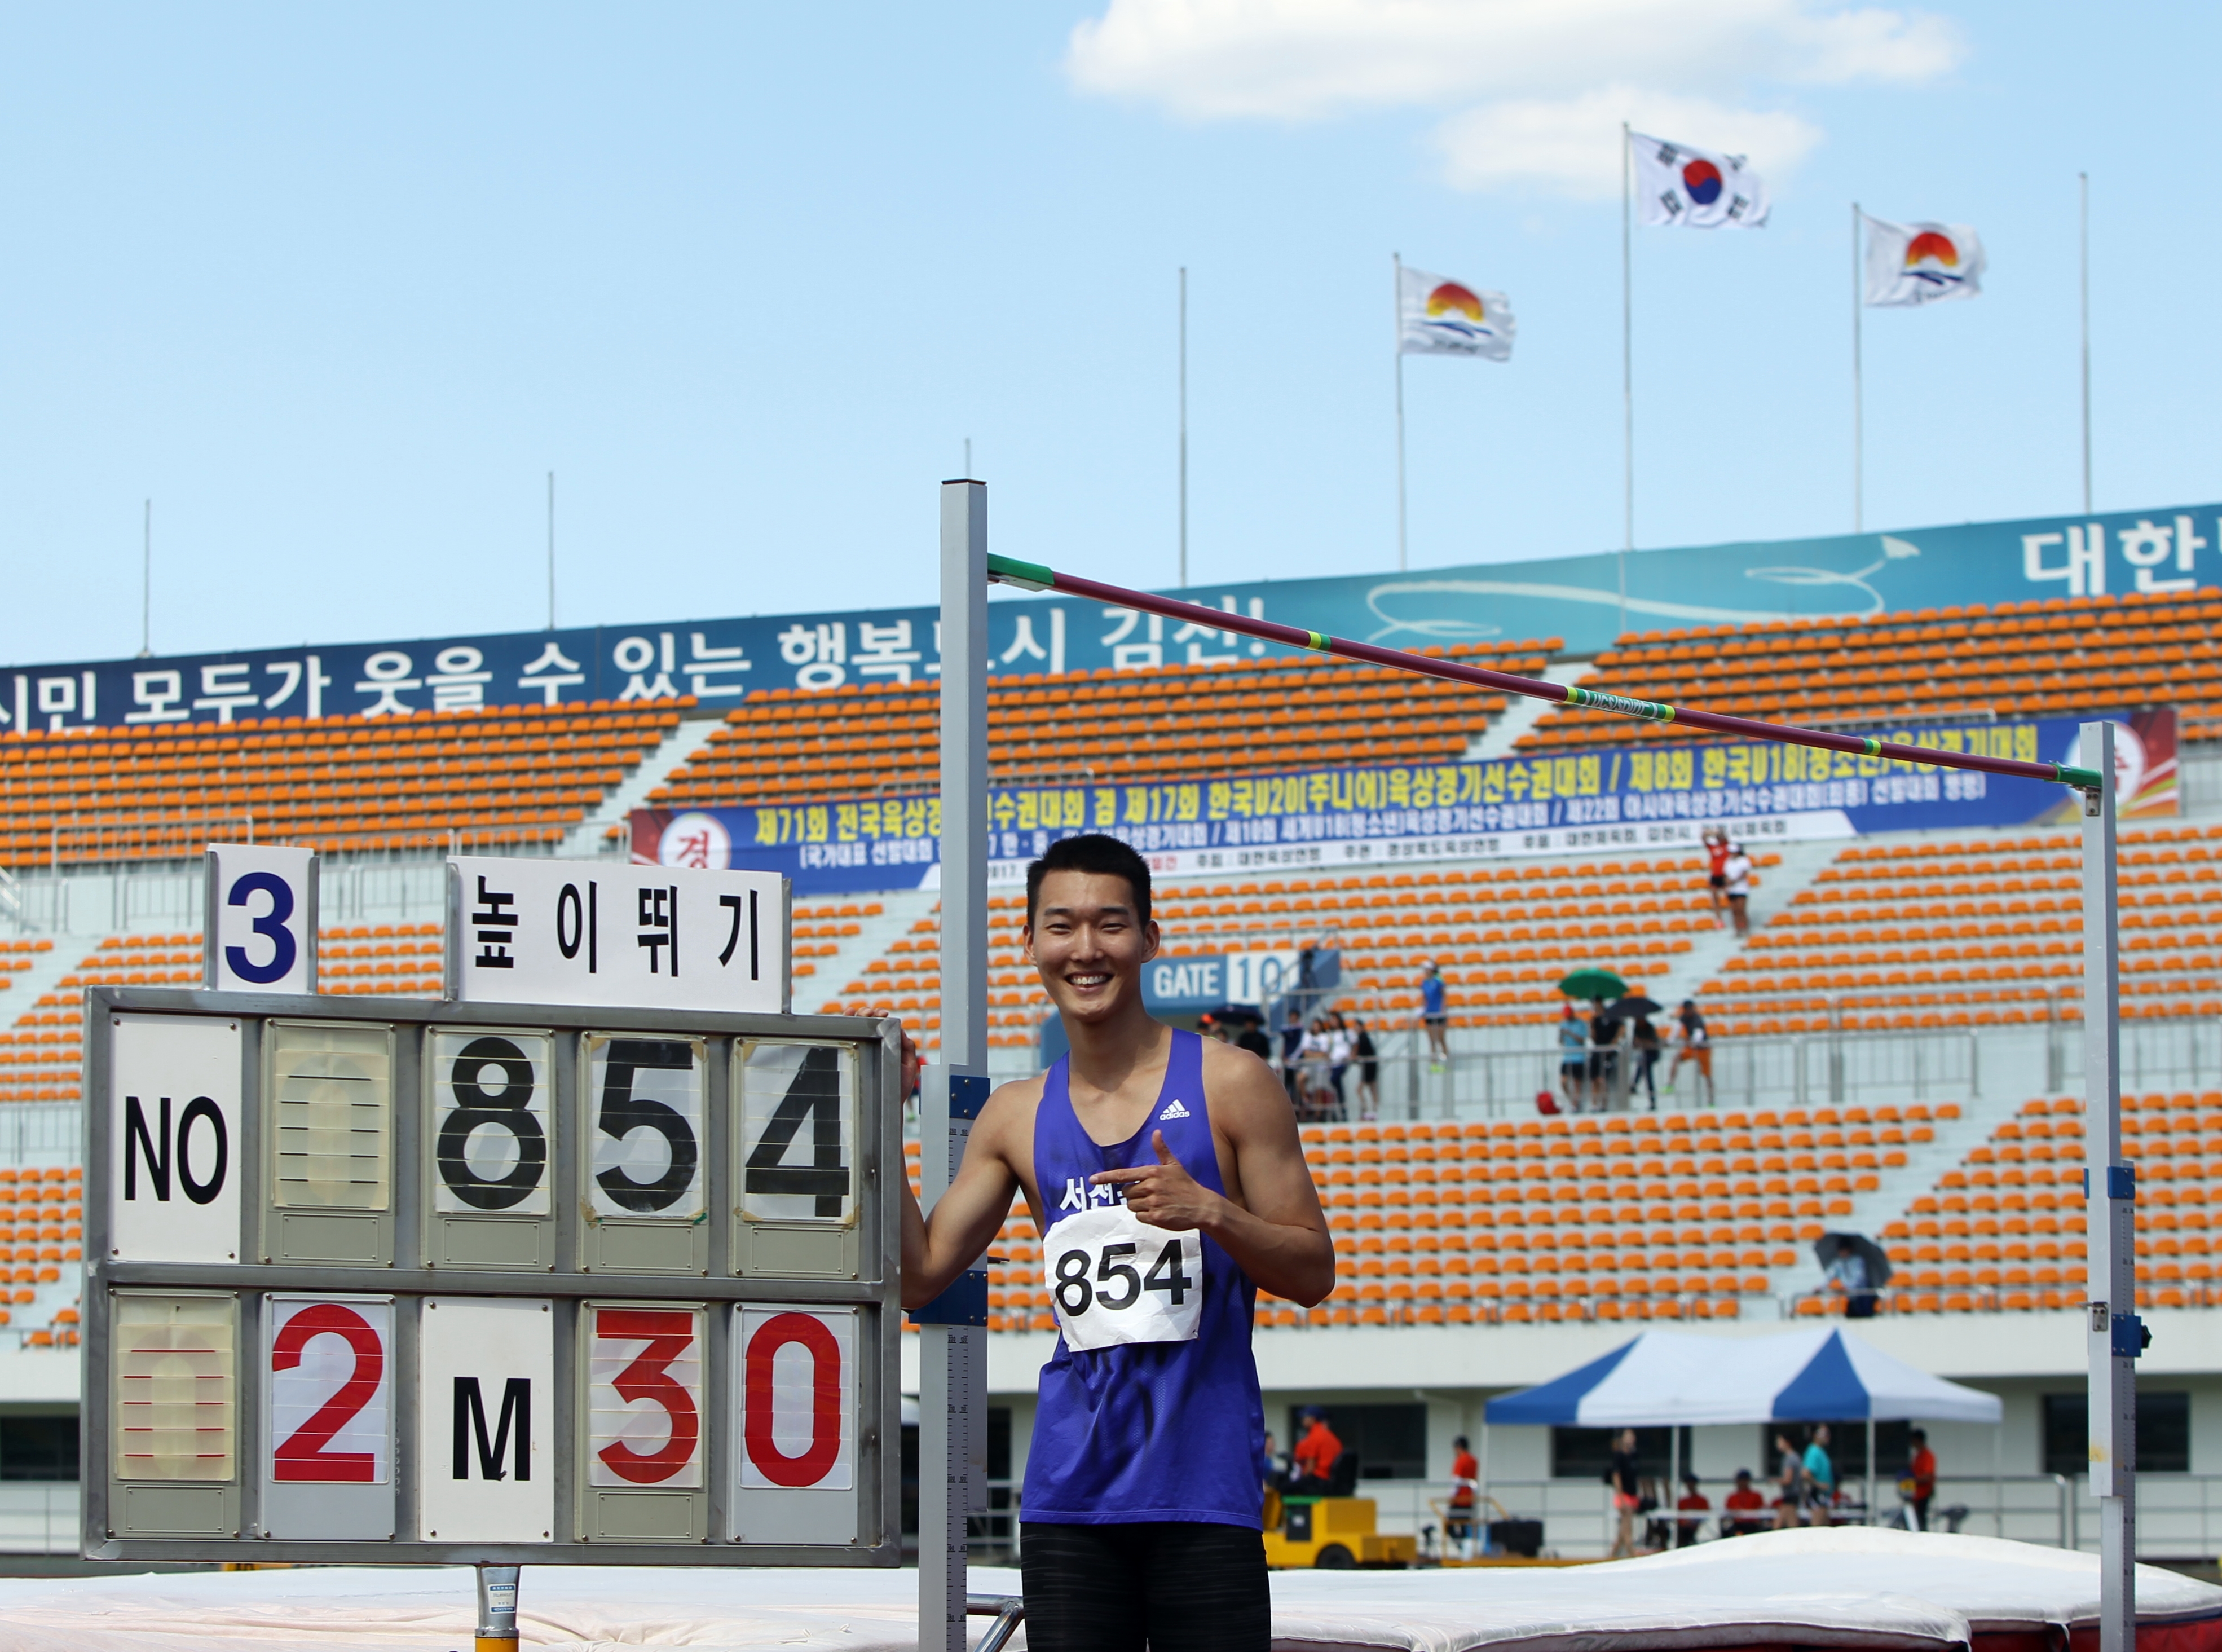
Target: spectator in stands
(1848,1272)
(1434,1017)
(1316,1053)
(1789,1476)
(1738,871)
(1697,1047)
(1573,1058)
(1369,1069)
(1644,1039)
(1625,1478)
(1313,1469)
(1920,1482)
(1741,1511)
(1252,1037)
(1465,1486)
(1690,1511)
(1604,1057)
(1338,1045)
(1292,1050)
(1717,882)
(1818,1477)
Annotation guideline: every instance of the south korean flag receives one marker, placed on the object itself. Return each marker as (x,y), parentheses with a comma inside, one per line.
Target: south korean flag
(1695,188)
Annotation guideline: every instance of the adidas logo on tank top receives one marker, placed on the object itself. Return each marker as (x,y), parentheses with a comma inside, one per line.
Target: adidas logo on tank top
(1174,1110)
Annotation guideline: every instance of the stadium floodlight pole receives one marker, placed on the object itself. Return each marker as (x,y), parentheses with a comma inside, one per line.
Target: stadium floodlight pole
(2116,1335)
(953,1386)
(147,584)
(1627,353)
(1397,349)
(551,550)
(2083,291)
(1859,412)
(1032,576)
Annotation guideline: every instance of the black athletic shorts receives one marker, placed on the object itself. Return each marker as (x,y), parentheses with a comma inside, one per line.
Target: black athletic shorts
(1719,881)
(1173,1586)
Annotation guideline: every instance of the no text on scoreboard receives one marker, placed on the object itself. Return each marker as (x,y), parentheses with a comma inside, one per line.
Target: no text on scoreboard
(480,1281)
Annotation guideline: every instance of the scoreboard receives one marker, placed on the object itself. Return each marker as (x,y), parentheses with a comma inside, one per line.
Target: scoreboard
(482,1281)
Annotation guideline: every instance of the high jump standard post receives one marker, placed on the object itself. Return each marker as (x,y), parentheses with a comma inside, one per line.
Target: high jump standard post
(952,1388)
(2116,1335)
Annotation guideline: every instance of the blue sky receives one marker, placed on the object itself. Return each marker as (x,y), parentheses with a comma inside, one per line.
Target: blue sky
(337,286)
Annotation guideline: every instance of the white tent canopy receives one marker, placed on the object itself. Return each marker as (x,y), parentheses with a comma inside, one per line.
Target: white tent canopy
(1663,1379)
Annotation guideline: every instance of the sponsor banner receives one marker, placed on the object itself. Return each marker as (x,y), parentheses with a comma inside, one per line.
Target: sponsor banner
(721,662)
(1647,797)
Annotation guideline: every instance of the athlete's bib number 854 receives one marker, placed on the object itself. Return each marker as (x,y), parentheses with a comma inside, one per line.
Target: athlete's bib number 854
(1115,1279)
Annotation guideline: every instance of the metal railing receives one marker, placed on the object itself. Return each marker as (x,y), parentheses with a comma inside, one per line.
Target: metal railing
(2179,1516)
(1791,1069)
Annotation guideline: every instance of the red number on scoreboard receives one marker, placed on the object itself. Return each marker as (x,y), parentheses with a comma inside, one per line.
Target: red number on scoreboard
(669,1335)
(810,1466)
(301,1455)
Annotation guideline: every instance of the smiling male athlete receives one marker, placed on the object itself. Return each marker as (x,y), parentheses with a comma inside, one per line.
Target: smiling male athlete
(1166,1174)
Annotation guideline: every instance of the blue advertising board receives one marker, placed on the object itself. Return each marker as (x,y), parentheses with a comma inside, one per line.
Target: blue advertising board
(722,662)
(1647,797)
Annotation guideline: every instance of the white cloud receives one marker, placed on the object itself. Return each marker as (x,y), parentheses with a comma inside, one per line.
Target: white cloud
(1531,73)
(1572,145)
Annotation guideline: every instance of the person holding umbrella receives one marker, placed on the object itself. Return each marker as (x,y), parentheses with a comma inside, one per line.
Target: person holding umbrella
(1635,1009)
(1855,1266)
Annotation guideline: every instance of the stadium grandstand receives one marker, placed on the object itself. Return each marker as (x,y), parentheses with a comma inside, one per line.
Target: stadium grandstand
(1894,1042)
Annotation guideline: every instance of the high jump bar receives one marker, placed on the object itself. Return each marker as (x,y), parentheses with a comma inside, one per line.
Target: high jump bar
(1032,576)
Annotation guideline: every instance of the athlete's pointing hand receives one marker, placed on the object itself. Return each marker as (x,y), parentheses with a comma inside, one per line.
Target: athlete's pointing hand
(1165,1194)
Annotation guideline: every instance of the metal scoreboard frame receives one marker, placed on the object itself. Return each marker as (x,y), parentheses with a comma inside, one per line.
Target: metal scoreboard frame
(311,1459)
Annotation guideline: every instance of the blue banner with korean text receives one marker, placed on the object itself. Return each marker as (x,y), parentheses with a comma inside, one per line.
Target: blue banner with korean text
(1582,600)
(1641,798)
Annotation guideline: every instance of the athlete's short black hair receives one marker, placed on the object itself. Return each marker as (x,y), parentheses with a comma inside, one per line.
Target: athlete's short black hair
(1091,851)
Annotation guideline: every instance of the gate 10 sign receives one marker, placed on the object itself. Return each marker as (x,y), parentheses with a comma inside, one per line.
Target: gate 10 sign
(588,933)
(261,925)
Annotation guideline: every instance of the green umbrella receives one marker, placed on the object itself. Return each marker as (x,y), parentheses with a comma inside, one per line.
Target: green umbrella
(1600,984)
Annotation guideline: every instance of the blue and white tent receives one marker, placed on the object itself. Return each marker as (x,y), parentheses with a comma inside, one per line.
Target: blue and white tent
(1664,1378)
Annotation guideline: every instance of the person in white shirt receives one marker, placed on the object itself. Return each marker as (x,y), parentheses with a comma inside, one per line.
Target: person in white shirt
(1738,871)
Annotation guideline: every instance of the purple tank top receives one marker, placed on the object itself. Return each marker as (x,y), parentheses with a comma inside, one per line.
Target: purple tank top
(1146,1430)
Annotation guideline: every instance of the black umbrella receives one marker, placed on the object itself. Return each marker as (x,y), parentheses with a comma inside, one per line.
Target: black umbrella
(1638,1005)
(1870,1253)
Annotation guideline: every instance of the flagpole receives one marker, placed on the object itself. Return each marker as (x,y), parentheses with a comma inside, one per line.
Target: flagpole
(1627,368)
(1183,427)
(2083,254)
(1858,424)
(1396,312)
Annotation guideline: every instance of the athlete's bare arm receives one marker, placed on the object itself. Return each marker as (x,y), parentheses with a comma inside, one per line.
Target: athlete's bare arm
(968,1216)
(1269,1220)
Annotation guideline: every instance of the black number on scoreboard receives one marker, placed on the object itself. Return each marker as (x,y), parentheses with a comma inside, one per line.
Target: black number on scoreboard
(815,1094)
(623,1112)
(505,1107)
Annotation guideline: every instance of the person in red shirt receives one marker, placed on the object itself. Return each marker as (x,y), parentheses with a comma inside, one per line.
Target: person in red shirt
(1717,881)
(1690,1511)
(1314,1456)
(1466,1481)
(1743,1508)
(1920,1482)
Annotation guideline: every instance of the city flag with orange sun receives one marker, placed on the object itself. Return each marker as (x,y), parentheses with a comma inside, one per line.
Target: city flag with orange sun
(1437,316)
(1920,263)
